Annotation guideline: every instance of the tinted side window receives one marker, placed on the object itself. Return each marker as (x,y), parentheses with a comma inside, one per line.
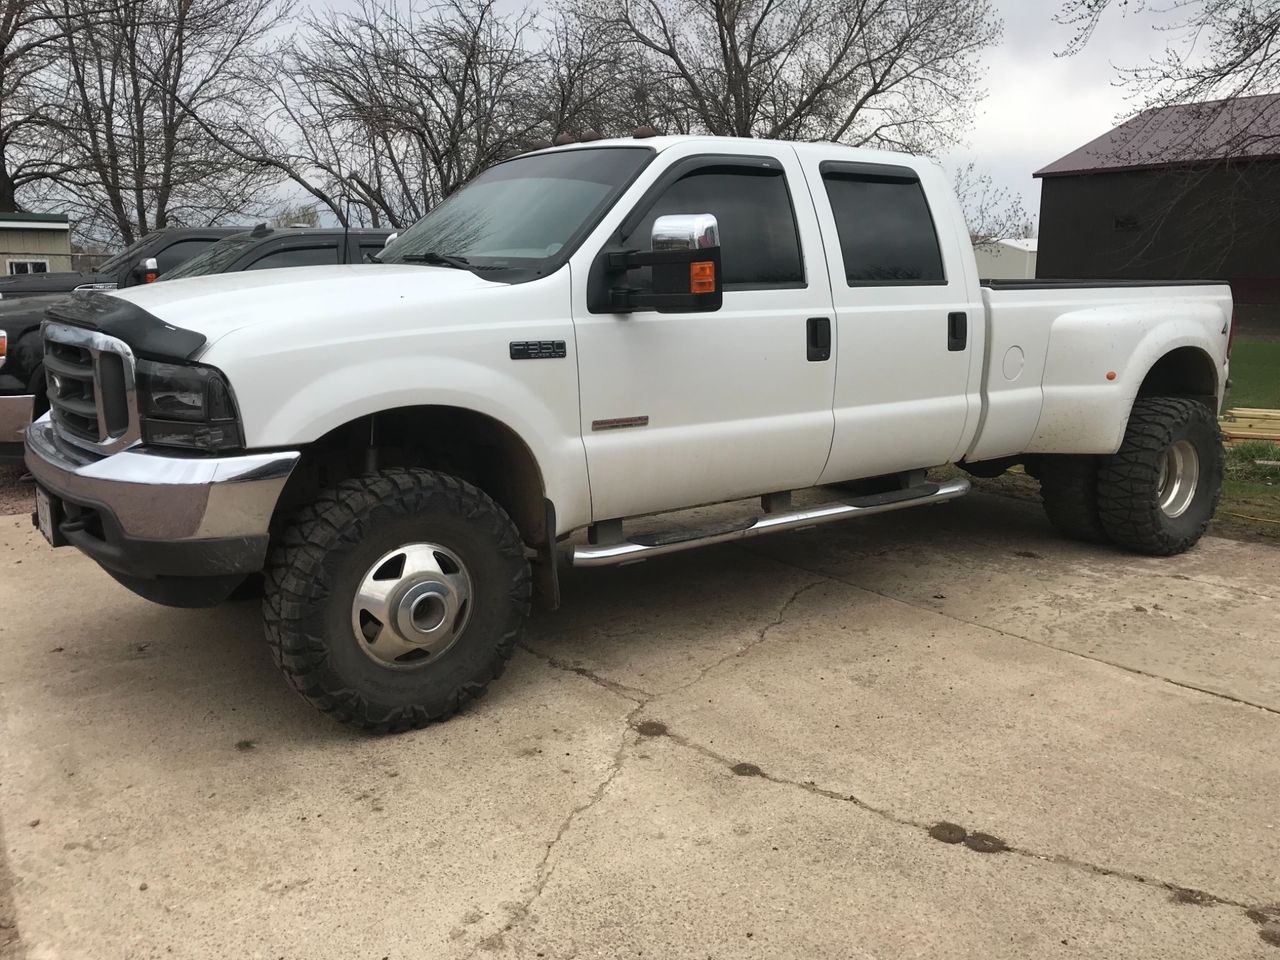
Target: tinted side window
(180,252)
(886,231)
(297,257)
(759,241)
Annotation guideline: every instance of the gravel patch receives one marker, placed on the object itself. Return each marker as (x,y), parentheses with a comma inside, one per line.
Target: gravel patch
(16,495)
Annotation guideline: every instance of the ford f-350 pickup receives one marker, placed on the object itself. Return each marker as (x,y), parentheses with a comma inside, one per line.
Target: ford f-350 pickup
(581,337)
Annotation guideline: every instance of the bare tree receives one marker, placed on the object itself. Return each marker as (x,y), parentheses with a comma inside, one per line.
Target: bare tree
(1214,49)
(30,32)
(139,88)
(898,73)
(992,212)
(381,111)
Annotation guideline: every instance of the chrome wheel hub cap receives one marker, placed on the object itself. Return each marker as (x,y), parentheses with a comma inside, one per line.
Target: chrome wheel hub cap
(1179,475)
(411,605)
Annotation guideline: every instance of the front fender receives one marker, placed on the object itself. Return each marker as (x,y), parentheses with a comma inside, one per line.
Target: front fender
(545,419)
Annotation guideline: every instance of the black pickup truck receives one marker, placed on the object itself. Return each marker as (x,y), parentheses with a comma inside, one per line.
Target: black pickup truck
(176,255)
(143,261)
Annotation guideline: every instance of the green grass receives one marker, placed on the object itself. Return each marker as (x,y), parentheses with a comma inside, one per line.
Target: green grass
(1255,374)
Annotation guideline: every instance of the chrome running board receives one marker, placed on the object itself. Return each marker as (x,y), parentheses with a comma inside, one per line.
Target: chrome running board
(642,548)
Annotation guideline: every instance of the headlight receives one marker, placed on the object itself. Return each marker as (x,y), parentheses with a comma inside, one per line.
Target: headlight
(187,405)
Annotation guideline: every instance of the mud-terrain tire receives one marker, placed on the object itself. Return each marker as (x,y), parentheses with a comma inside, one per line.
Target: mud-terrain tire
(1069,493)
(432,544)
(1157,494)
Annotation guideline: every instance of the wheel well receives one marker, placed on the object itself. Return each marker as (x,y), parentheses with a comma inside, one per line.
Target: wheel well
(469,445)
(1184,372)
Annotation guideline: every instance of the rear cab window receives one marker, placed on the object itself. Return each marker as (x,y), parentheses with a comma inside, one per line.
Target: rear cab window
(886,231)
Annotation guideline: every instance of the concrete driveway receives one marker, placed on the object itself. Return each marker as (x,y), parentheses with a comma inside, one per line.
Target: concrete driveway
(738,753)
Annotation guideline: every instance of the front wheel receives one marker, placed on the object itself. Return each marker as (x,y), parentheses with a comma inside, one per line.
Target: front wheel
(395,598)
(1157,494)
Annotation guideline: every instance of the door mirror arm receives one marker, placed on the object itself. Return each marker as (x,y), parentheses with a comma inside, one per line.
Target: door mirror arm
(685,260)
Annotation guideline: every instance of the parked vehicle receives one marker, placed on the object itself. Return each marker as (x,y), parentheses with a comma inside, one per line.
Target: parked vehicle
(22,386)
(582,337)
(143,261)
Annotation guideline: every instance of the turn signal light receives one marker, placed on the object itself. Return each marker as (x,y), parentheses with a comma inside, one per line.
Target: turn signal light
(702,276)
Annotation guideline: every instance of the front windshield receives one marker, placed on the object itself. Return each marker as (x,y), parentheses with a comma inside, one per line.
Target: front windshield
(124,256)
(524,216)
(214,260)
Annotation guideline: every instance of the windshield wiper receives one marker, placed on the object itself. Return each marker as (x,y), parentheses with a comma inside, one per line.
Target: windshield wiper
(438,260)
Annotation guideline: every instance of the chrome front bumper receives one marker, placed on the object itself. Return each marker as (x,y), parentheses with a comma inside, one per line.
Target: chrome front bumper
(178,530)
(154,496)
(15,417)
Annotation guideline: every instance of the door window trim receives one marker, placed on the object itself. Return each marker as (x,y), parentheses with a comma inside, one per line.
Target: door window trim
(597,283)
(289,245)
(881,173)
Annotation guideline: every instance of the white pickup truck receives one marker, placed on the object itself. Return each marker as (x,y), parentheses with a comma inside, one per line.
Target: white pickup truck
(581,337)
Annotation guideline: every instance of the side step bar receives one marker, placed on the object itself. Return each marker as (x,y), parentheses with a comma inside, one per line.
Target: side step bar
(642,548)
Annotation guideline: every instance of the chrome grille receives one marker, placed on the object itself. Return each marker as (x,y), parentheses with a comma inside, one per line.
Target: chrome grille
(90,380)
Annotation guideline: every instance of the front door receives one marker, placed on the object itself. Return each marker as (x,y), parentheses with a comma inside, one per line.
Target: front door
(682,409)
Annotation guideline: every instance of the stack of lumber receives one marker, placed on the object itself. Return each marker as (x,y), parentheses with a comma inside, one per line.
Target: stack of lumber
(1247,423)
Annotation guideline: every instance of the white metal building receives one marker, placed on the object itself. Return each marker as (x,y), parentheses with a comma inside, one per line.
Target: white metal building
(34,243)
(1007,259)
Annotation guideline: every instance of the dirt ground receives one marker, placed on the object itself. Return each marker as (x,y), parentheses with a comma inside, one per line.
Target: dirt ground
(16,494)
(753,751)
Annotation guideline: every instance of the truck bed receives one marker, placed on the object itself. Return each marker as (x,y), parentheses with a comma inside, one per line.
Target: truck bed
(1065,358)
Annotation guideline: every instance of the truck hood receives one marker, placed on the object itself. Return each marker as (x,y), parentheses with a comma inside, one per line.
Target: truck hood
(217,305)
(31,284)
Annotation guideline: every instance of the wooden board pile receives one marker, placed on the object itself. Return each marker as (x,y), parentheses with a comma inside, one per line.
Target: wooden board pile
(1248,423)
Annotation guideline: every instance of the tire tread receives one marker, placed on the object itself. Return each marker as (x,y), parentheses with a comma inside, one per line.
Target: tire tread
(337,519)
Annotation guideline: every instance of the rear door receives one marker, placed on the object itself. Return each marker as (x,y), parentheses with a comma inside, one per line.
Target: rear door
(909,320)
(686,408)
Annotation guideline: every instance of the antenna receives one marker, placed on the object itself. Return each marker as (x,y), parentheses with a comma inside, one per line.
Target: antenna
(346,228)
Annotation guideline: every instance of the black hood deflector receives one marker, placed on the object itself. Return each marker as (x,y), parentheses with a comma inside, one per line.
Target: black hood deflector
(148,336)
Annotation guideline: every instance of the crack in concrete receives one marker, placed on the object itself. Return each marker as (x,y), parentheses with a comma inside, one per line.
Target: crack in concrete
(641,699)
(1138,671)
(546,867)
(634,694)
(1182,577)
(1184,894)
(761,635)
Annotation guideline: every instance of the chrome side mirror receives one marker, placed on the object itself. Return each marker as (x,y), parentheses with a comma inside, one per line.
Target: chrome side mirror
(684,263)
(389,241)
(685,231)
(150,270)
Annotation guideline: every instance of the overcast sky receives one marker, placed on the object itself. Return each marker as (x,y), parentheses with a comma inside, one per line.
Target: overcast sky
(1040,107)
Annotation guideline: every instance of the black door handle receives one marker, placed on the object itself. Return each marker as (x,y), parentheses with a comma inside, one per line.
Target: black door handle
(957,331)
(819,338)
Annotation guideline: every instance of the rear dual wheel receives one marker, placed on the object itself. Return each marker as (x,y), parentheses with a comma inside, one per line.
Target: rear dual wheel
(1156,494)
(394,599)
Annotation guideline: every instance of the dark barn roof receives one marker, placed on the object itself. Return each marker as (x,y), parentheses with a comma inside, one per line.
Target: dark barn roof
(1245,128)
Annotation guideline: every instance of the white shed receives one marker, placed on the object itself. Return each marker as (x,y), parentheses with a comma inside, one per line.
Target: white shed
(1006,259)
